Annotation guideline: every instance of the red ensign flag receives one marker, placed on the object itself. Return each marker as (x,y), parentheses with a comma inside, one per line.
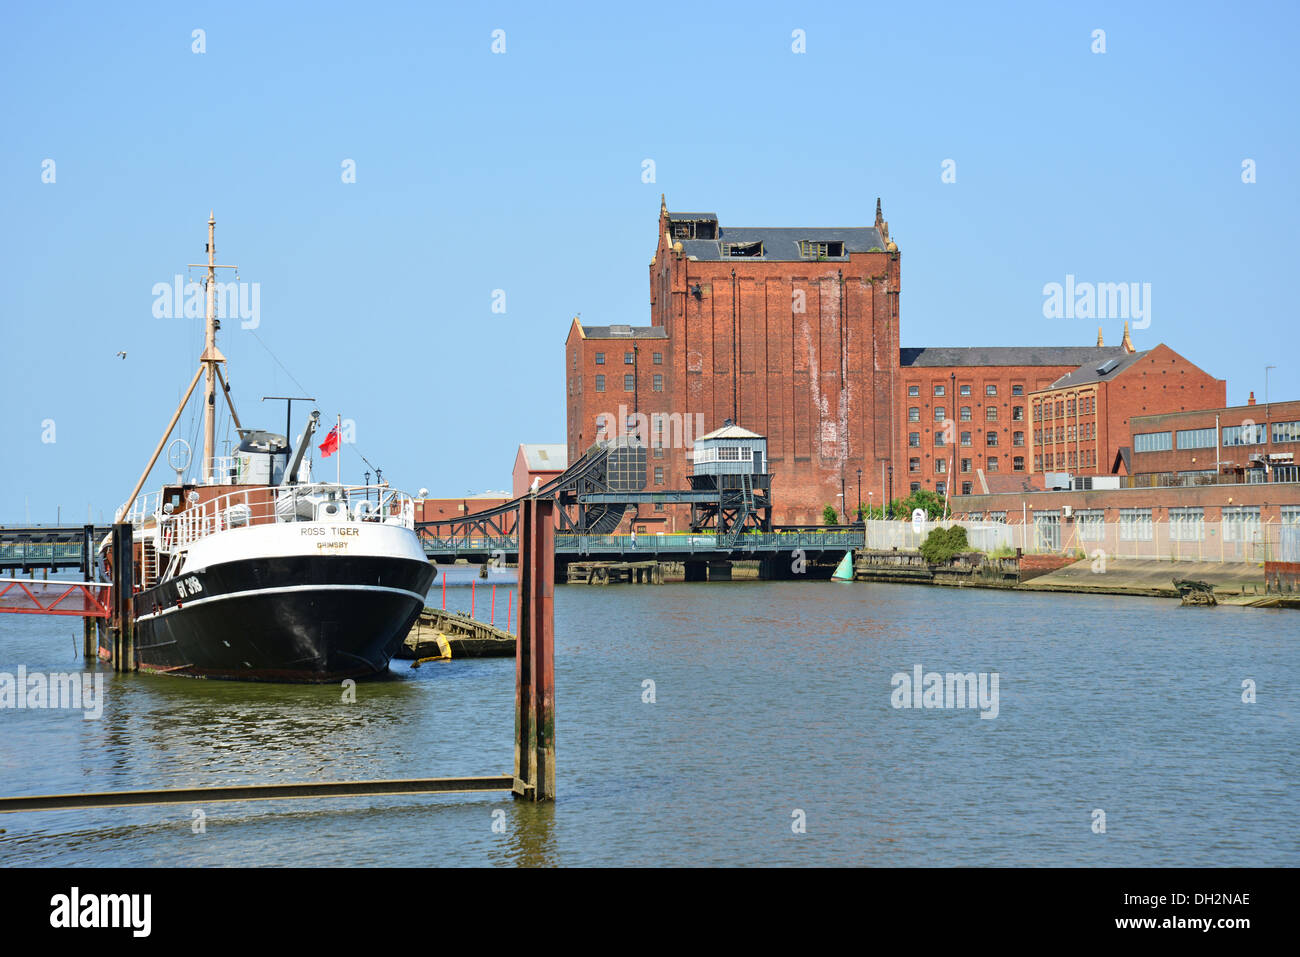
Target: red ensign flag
(331,443)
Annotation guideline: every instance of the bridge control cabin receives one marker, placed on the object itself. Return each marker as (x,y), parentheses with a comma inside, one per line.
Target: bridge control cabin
(731,461)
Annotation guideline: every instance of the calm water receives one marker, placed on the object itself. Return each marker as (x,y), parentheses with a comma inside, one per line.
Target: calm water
(770,697)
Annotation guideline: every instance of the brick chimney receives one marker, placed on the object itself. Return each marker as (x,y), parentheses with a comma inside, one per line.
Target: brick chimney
(1251,400)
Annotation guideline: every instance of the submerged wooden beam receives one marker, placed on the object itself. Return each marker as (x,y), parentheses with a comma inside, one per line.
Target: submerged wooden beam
(254,792)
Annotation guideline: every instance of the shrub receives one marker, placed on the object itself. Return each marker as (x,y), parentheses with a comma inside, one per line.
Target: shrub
(943,543)
(830,516)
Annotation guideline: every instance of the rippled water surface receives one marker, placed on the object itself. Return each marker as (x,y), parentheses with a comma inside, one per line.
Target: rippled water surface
(770,699)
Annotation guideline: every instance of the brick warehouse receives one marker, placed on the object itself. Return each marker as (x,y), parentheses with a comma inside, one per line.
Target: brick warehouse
(794,334)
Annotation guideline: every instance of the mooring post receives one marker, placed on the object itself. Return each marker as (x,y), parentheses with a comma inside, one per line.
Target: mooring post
(88,640)
(535,653)
(123,588)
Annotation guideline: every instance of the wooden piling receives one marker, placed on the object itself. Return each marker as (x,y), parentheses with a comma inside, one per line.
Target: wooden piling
(123,622)
(535,653)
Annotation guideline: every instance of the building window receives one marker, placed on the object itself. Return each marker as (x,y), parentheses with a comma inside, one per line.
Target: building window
(811,249)
(913,390)
(1135,524)
(914,440)
(659,358)
(1038,463)
(939,413)
(938,390)
(1241,524)
(600,383)
(659,475)
(990,438)
(965,413)
(1017,390)
(938,438)
(1018,463)
(914,465)
(628,358)
(1243,435)
(1286,431)
(914,487)
(1186,524)
(1195,438)
(991,464)
(1017,438)
(629,382)
(941,488)
(965,438)
(600,358)
(965,465)
(990,390)
(659,450)
(914,414)
(743,250)
(1017,413)
(997,518)
(1155,442)
(965,488)
(1089,524)
(965,390)
(658,382)
(941,466)
(659,506)
(991,414)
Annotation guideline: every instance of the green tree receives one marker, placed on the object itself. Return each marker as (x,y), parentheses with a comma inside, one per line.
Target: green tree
(942,544)
(924,498)
(830,516)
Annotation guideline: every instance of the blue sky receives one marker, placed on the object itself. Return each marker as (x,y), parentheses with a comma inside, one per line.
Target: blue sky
(522,172)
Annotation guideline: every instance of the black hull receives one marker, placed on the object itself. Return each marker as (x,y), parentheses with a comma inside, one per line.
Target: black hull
(297,619)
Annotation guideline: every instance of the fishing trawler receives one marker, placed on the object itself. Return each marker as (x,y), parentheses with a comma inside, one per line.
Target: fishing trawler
(253,571)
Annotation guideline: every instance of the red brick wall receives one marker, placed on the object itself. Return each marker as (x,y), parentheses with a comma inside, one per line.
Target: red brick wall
(816,373)
(1187,460)
(978,378)
(1212,498)
(1031,566)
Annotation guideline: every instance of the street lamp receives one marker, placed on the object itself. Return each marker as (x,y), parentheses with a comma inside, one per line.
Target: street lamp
(859,493)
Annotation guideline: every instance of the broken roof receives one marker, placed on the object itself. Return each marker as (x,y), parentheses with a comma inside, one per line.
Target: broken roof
(624,332)
(780,243)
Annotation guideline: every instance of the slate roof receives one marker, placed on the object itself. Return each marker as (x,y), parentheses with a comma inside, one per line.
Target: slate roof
(780,243)
(1088,371)
(1008,356)
(624,332)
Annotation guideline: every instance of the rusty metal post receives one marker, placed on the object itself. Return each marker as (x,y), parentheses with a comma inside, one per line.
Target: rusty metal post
(123,589)
(535,653)
(89,642)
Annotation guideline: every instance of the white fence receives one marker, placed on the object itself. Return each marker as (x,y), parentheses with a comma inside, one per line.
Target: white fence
(1195,541)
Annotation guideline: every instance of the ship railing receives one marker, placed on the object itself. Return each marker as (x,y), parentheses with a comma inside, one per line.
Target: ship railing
(266,505)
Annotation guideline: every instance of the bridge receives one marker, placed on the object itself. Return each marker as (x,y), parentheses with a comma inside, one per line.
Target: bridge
(48,547)
(669,547)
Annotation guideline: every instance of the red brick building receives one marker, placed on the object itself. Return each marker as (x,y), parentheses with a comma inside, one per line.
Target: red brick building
(537,462)
(793,333)
(1081,422)
(1246,443)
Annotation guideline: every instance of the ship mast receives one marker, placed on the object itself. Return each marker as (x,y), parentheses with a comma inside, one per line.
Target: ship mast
(212,356)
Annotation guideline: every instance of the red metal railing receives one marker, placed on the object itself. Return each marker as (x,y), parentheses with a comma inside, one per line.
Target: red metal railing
(82,599)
